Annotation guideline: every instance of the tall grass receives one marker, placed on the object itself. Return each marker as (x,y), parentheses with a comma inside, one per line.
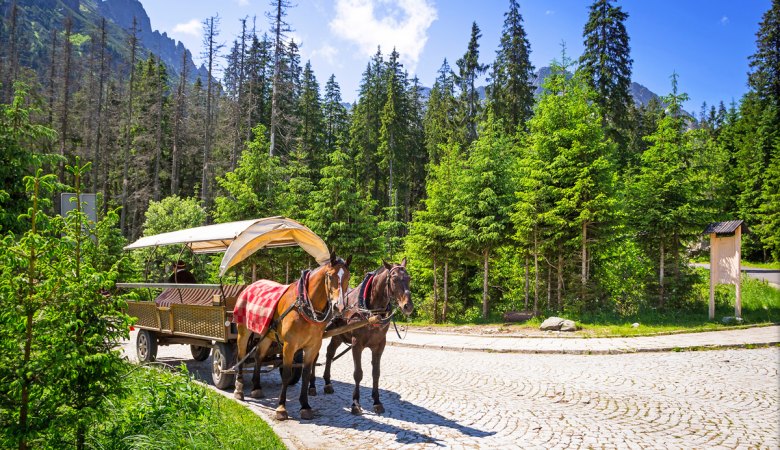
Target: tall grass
(167,410)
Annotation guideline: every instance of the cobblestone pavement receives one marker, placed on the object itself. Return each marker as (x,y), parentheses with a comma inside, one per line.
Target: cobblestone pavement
(454,399)
(560,342)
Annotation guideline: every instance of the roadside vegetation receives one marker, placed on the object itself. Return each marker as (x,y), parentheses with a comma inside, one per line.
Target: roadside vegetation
(166,409)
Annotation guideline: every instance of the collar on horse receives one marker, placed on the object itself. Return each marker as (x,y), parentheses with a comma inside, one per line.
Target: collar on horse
(364,298)
(304,305)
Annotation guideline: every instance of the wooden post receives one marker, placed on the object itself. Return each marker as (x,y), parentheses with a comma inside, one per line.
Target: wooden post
(713,273)
(738,283)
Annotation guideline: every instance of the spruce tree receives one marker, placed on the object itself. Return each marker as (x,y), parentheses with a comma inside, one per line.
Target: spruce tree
(484,197)
(606,62)
(440,114)
(343,215)
(469,70)
(336,118)
(511,92)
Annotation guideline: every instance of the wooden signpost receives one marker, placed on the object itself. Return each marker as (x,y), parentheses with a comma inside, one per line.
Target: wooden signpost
(725,259)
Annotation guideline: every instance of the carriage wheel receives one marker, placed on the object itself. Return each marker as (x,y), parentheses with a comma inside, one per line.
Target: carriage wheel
(199,353)
(222,358)
(146,346)
(297,371)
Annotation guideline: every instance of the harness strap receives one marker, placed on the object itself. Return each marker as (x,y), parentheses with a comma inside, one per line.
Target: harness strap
(364,291)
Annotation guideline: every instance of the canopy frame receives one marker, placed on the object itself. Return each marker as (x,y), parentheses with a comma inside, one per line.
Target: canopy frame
(239,240)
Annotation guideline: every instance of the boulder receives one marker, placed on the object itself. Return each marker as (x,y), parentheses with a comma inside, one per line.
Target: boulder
(517,316)
(551,324)
(568,325)
(730,320)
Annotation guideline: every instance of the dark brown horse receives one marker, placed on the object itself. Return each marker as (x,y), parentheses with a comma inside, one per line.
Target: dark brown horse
(375,295)
(299,324)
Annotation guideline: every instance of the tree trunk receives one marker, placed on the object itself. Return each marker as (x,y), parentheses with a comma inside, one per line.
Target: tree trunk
(435,293)
(485,306)
(584,268)
(98,135)
(536,274)
(278,24)
(158,137)
(661,275)
(128,125)
(560,279)
(527,284)
(178,117)
(67,47)
(446,291)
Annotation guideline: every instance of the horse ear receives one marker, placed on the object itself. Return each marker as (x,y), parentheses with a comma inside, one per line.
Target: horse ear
(387,265)
(333,257)
(349,260)
(403,262)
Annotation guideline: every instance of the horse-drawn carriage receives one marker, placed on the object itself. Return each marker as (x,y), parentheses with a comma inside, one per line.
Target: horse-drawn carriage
(201,315)
(218,318)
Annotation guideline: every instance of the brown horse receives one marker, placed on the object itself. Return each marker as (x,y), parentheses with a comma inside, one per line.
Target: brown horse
(299,324)
(375,295)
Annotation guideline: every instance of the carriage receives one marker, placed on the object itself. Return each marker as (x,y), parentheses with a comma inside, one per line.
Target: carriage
(200,315)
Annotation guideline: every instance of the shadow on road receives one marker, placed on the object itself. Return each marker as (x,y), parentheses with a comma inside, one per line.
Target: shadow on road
(334,409)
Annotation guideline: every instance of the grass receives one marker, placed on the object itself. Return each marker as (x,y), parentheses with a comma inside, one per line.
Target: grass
(760,306)
(168,410)
(745,264)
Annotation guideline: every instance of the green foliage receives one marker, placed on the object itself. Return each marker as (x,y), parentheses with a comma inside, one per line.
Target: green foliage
(469,70)
(343,216)
(668,197)
(606,63)
(19,135)
(251,191)
(511,93)
(168,410)
(59,325)
(170,214)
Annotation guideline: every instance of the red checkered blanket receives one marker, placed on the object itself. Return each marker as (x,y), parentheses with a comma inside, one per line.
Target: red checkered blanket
(257,303)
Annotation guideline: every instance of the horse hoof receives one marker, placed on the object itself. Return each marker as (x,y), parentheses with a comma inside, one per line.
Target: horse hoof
(328,389)
(281,414)
(313,392)
(257,393)
(356,410)
(307,414)
(238,395)
(379,409)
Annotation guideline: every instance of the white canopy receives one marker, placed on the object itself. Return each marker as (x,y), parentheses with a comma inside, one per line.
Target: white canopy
(239,240)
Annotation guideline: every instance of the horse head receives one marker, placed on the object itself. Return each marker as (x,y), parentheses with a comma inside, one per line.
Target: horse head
(398,282)
(336,274)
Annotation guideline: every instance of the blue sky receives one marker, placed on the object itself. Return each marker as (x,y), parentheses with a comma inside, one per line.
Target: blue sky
(706,42)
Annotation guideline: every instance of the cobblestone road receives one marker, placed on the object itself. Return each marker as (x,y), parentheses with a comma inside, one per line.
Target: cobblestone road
(705,399)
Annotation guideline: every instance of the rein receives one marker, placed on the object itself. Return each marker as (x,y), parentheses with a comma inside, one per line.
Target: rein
(386,314)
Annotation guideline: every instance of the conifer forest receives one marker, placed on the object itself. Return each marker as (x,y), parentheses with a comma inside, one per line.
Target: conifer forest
(569,197)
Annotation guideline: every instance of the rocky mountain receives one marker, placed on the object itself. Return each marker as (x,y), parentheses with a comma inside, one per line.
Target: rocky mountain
(167,49)
(39,18)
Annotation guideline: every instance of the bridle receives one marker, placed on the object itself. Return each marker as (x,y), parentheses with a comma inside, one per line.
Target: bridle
(385,314)
(304,304)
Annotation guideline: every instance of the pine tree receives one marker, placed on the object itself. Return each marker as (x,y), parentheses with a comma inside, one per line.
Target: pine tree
(210,54)
(511,92)
(440,113)
(336,118)
(280,29)
(343,215)
(366,126)
(667,197)
(310,127)
(469,70)
(566,178)
(252,190)
(606,62)
(484,197)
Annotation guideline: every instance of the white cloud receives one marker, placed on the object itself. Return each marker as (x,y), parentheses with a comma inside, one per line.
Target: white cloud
(549,12)
(724,20)
(243,2)
(399,24)
(193,28)
(327,52)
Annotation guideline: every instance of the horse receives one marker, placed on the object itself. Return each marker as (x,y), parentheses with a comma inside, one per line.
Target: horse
(298,323)
(375,295)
